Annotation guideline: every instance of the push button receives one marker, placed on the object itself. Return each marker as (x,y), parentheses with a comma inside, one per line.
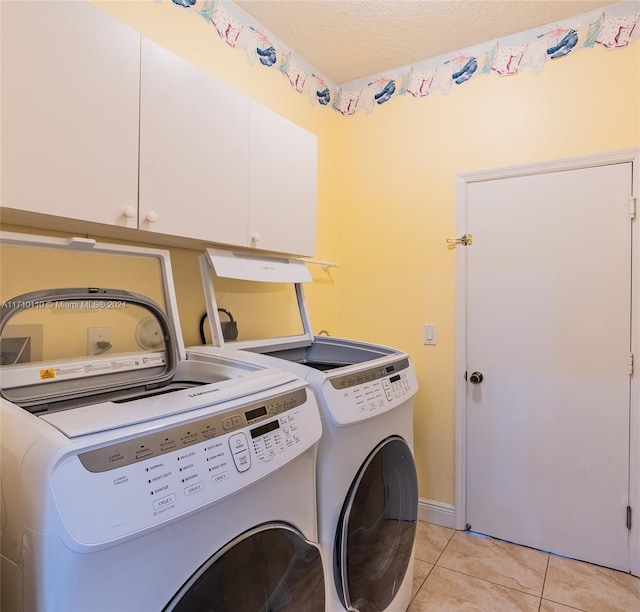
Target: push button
(238,442)
(240,451)
(242,461)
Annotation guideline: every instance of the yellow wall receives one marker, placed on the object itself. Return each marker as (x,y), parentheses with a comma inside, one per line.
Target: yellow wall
(386,192)
(398,168)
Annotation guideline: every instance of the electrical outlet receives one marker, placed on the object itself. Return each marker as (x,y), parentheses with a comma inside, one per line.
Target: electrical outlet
(98,340)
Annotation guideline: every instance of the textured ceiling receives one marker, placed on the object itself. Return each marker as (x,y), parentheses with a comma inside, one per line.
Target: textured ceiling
(349,39)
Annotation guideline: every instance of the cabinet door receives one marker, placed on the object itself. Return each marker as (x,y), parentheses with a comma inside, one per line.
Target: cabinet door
(282,184)
(70,89)
(194,151)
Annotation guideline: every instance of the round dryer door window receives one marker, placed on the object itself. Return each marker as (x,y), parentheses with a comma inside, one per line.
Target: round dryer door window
(377,527)
(270,568)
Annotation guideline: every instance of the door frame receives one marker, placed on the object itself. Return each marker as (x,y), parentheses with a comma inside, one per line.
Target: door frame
(558,165)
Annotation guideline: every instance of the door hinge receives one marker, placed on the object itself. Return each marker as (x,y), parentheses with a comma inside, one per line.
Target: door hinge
(632,207)
(630,364)
(628,517)
(464,240)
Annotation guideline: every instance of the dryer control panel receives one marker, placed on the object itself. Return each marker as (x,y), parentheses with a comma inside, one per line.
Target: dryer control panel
(365,393)
(133,484)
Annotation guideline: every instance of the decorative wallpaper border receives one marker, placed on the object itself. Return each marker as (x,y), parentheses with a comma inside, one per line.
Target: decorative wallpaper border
(614,27)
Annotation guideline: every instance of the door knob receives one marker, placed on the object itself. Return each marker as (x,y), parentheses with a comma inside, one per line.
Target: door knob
(476,378)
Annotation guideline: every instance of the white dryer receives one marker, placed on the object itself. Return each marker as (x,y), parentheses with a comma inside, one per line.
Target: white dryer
(367,483)
(134,479)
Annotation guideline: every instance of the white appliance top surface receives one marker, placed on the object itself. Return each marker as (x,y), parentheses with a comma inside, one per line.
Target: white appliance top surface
(354,381)
(326,353)
(106,416)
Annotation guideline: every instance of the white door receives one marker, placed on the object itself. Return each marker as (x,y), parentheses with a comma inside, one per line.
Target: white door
(549,329)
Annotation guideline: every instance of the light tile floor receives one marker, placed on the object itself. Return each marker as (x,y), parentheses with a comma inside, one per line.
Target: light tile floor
(457,570)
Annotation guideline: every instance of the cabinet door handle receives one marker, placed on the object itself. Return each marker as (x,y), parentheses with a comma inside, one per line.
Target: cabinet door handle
(151,216)
(255,237)
(129,212)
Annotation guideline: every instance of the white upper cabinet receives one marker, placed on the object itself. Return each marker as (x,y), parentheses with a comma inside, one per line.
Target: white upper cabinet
(282,184)
(194,151)
(217,166)
(102,125)
(70,90)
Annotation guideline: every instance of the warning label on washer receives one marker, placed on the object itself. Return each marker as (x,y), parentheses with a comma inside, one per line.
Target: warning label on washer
(102,366)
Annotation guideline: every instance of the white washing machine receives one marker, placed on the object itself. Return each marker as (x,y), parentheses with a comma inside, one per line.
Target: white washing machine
(134,479)
(367,483)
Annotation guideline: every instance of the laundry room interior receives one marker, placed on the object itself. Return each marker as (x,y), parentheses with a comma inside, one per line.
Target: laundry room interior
(388,256)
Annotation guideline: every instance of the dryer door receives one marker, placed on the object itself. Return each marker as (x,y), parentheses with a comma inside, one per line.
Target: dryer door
(270,568)
(376,530)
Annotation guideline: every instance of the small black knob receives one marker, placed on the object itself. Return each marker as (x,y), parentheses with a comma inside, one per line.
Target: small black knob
(476,378)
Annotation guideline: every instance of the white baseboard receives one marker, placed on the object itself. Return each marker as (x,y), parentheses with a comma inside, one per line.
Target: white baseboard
(437,513)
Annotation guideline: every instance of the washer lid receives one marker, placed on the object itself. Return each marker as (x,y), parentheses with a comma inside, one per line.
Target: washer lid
(265,269)
(68,373)
(82,321)
(264,295)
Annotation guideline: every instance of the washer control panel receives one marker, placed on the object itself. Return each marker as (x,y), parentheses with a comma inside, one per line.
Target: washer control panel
(371,391)
(188,434)
(369,375)
(125,487)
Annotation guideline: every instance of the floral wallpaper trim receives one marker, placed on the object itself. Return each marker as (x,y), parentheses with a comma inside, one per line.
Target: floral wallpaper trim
(614,27)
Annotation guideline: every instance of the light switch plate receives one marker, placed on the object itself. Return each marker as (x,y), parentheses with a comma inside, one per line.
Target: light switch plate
(430,333)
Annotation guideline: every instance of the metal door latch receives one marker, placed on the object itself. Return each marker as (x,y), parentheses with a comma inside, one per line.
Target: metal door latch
(464,240)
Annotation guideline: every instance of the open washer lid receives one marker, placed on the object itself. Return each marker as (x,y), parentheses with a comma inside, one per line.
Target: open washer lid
(88,319)
(263,294)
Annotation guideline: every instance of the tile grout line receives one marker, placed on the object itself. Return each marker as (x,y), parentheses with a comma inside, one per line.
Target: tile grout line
(433,565)
(490,581)
(544,580)
(547,575)
(502,586)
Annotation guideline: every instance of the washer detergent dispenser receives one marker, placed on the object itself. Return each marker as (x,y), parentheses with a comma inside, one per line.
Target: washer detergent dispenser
(367,482)
(132,477)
